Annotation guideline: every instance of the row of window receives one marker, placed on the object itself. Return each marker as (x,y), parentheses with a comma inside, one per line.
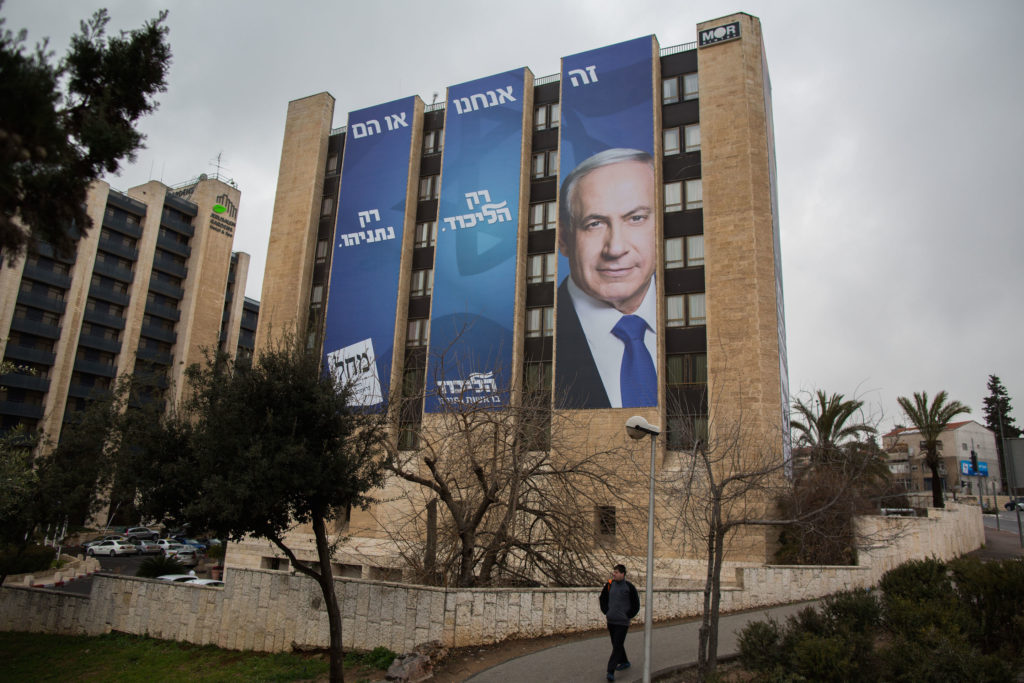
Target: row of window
(681,310)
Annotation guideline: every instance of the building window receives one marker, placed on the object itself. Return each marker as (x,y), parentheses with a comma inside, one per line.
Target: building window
(546,116)
(695,250)
(417,332)
(684,310)
(543,216)
(428,187)
(431,142)
(316,296)
(675,88)
(687,368)
(670,141)
(332,163)
(684,252)
(673,196)
(540,268)
(426,233)
(422,282)
(326,206)
(605,520)
(694,194)
(408,437)
(321,251)
(540,322)
(675,199)
(687,431)
(537,377)
(691,135)
(545,164)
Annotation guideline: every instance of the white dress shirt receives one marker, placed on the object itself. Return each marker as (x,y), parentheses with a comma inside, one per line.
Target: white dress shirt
(597,319)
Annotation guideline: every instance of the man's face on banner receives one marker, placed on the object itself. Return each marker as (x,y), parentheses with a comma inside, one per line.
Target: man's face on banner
(611,247)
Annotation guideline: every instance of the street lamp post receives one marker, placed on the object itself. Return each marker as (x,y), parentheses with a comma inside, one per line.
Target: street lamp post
(637,428)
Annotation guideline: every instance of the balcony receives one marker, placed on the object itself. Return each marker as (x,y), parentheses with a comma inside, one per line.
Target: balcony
(169,265)
(47,250)
(21,380)
(95,367)
(172,245)
(119,223)
(159,333)
(161,311)
(19,409)
(119,248)
(26,354)
(37,300)
(154,356)
(36,327)
(100,343)
(107,293)
(103,318)
(112,271)
(50,277)
(161,287)
(177,225)
(90,391)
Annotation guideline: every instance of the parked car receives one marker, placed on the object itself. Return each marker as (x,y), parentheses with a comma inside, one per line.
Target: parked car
(109,537)
(1015,504)
(148,547)
(177,578)
(215,583)
(185,554)
(141,532)
(112,548)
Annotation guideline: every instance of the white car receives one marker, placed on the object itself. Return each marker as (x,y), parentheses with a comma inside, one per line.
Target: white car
(148,547)
(214,583)
(185,554)
(113,548)
(177,578)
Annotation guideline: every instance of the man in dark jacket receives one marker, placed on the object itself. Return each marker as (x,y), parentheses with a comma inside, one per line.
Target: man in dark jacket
(619,603)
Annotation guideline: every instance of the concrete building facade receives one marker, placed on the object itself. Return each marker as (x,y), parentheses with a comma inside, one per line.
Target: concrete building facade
(150,287)
(720,354)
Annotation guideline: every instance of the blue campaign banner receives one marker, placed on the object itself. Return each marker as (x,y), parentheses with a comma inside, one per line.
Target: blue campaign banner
(607,310)
(360,314)
(472,309)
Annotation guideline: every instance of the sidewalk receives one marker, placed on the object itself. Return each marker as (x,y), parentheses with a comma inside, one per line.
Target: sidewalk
(585,660)
(672,646)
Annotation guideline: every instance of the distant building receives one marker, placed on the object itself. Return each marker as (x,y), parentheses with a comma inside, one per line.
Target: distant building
(149,288)
(959,441)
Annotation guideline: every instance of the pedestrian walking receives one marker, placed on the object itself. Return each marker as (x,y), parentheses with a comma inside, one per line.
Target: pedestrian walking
(619,603)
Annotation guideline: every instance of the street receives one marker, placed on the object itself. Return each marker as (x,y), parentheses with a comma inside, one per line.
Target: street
(1007,521)
(126,565)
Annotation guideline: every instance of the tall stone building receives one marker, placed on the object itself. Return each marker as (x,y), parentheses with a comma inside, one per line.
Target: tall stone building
(150,287)
(420,246)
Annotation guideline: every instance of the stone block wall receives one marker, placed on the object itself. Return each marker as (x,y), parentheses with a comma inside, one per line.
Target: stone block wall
(270,611)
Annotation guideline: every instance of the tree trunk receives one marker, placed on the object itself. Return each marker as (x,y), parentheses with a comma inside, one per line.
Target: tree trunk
(716,600)
(704,633)
(466,576)
(933,465)
(326,581)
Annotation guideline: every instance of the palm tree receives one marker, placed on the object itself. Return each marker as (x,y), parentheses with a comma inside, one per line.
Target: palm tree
(824,424)
(931,420)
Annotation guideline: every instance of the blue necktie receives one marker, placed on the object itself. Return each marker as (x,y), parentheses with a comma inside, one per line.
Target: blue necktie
(638,380)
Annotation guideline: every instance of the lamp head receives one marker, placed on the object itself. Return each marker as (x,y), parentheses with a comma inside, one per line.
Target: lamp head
(637,428)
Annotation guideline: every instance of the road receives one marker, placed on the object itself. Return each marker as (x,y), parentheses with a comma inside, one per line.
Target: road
(126,565)
(1007,521)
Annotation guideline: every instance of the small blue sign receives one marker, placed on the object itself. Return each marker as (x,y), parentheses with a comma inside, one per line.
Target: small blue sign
(966,469)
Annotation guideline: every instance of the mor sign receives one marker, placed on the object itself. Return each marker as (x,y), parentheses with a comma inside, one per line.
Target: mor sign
(719,34)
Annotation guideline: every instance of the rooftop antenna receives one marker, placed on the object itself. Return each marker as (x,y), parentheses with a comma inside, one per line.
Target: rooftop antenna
(216,163)
(434,101)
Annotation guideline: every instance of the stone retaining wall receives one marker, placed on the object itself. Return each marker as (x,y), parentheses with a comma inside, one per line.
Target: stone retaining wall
(269,611)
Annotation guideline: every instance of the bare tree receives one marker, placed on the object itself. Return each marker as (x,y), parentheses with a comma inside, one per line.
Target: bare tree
(517,494)
(732,477)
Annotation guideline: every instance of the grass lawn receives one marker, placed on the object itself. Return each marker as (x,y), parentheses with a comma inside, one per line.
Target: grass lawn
(120,657)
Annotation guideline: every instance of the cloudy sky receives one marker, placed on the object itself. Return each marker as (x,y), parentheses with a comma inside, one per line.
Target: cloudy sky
(898,132)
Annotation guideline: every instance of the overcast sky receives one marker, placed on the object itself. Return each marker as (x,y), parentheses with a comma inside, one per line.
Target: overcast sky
(898,137)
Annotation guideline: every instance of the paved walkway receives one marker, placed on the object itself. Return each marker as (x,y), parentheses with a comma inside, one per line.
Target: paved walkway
(585,660)
(672,646)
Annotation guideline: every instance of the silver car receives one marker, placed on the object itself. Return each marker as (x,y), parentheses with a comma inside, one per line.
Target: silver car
(182,553)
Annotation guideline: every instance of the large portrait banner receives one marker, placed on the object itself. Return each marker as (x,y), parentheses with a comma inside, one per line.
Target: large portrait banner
(607,313)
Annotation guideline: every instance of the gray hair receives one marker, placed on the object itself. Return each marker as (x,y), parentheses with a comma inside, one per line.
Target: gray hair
(616,155)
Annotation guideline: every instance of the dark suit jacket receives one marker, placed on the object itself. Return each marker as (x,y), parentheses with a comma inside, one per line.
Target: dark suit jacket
(577,382)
